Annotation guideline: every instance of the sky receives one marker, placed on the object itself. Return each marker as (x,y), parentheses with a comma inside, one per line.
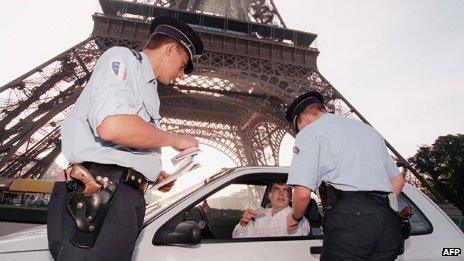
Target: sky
(400,63)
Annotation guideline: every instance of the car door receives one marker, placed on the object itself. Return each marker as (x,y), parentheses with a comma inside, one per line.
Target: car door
(224,208)
(431,229)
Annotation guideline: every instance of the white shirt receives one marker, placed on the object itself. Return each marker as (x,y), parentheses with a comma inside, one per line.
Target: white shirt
(346,153)
(122,82)
(271,226)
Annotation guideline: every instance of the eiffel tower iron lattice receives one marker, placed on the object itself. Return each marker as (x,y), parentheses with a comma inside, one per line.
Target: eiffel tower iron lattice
(234,101)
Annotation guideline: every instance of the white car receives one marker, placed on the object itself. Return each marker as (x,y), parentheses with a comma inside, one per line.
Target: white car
(197,222)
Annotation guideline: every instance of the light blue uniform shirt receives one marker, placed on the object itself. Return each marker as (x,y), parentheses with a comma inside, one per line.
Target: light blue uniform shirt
(343,152)
(122,82)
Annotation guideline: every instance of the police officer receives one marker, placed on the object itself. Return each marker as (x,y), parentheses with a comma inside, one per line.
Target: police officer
(113,130)
(350,160)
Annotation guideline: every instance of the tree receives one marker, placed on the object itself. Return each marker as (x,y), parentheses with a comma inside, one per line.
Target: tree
(443,163)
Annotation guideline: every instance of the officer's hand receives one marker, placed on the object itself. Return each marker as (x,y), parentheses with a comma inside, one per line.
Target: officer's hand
(248,215)
(183,142)
(166,188)
(292,224)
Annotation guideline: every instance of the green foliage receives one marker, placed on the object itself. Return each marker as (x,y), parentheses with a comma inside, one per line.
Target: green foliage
(443,163)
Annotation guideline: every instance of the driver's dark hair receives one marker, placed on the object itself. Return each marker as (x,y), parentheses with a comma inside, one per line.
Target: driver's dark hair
(278,182)
(281,182)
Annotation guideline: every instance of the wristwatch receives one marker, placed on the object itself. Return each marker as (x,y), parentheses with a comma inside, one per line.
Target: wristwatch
(297,219)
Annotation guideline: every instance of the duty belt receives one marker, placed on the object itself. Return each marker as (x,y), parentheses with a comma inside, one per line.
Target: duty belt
(379,194)
(330,195)
(129,176)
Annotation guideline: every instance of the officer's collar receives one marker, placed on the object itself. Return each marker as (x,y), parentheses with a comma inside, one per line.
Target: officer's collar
(148,74)
(316,122)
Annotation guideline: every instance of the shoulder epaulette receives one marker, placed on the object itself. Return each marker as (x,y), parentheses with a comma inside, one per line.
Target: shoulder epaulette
(137,55)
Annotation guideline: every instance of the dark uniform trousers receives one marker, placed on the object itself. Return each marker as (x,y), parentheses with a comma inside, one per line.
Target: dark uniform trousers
(361,227)
(118,234)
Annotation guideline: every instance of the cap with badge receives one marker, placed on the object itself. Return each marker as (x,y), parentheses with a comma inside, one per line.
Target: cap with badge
(300,103)
(182,33)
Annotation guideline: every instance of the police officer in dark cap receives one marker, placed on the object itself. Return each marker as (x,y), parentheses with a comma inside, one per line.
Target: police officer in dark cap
(348,162)
(112,140)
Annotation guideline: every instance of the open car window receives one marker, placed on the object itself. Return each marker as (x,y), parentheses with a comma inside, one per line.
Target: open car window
(223,209)
(219,212)
(237,197)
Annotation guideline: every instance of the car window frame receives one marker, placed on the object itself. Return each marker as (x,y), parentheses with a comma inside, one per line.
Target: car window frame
(232,240)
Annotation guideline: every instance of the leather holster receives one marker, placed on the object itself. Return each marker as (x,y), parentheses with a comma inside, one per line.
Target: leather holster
(89,211)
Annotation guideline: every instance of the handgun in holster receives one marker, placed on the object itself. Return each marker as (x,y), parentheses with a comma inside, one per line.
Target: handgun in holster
(329,196)
(89,206)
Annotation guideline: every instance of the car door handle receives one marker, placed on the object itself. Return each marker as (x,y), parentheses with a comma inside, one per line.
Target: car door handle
(316,250)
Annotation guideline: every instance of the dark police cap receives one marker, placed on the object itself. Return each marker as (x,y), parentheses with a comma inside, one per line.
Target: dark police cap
(300,103)
(180,32)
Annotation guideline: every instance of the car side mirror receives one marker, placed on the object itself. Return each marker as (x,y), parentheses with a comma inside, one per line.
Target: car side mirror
(186,233)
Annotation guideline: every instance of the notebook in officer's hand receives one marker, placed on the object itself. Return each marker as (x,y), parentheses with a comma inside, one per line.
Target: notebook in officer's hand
(185,164)
(190,152)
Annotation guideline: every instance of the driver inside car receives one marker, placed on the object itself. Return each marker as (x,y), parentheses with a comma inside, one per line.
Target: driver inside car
(271,222)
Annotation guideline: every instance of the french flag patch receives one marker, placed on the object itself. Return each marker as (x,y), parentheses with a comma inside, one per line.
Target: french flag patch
(120,70)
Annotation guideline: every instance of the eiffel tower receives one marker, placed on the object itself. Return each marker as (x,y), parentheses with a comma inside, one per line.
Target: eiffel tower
(234,101)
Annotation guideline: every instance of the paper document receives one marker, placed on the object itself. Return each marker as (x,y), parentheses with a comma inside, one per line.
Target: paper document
(184,162)
(190,152)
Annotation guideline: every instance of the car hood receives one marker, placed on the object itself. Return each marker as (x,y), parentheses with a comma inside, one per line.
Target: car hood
(25,240)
